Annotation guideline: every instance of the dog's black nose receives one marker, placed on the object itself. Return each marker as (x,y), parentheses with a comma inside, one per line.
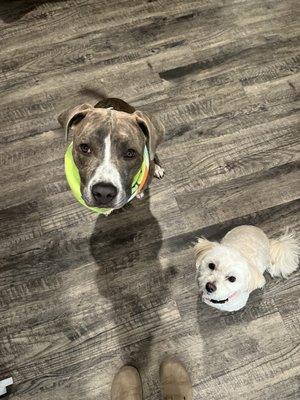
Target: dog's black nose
(210,287)
(104,192)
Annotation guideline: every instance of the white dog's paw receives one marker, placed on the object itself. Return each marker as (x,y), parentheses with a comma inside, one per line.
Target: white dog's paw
(158,171)
(140,195)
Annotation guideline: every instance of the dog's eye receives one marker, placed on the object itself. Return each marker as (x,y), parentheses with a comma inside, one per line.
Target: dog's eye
(130,153)
(211,266)
(232,279)
(85,148)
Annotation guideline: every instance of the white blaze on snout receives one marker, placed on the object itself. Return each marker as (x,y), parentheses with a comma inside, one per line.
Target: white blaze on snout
(107,171)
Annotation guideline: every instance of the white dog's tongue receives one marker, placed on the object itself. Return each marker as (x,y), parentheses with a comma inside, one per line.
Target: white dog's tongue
(231,296)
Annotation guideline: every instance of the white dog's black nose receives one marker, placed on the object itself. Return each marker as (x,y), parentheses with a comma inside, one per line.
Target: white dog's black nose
(104,192)
(210,287)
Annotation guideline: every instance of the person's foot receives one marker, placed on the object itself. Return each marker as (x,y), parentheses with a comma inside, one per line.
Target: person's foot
(127,385)
(174,381)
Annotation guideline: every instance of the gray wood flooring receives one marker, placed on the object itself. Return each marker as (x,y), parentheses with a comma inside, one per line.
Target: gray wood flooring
(81,295)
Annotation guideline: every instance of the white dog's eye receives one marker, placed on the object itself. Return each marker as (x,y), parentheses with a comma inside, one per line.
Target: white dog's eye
(232,279)
(211,266)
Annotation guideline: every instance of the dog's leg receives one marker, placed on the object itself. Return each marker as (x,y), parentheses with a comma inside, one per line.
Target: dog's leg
(158,170)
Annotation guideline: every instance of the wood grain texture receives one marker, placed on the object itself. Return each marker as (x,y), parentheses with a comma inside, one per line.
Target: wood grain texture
(80,295)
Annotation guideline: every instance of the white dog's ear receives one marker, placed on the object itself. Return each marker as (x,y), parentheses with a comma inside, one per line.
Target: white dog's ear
(202,246)
(256,279)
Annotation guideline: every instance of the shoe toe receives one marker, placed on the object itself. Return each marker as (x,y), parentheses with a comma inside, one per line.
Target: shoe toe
(127,384)
(175,381)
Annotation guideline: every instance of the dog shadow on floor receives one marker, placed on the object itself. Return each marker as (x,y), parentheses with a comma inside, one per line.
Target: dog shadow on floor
(125,246)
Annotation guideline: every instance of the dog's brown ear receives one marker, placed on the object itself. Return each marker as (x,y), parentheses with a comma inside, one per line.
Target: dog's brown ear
(153,130)
(201,247)
(73,116)
(256,278)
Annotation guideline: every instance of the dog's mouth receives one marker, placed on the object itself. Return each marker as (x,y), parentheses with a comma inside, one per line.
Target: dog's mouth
(218,301)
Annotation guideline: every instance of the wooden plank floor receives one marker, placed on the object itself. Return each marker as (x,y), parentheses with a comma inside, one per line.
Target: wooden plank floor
(81,295)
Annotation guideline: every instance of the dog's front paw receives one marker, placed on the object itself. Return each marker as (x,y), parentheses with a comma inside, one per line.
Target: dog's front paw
(140,195)
(158,171)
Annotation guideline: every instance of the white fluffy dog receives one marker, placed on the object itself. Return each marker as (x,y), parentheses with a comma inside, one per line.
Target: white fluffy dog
(227,272)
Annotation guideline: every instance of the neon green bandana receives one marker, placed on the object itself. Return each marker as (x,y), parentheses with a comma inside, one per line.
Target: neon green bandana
(73,178)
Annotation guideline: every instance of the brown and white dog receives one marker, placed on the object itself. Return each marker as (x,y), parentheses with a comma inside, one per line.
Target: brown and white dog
(108,146)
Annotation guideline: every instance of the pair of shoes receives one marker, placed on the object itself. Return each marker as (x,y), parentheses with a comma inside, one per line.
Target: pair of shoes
(174,380)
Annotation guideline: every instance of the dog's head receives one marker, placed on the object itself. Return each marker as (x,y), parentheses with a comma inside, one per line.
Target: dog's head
(224,276)
(108,148)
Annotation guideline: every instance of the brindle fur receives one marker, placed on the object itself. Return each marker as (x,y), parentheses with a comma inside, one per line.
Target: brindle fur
(127,128)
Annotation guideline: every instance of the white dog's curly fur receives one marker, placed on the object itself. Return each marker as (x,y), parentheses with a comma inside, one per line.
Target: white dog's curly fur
(227,272)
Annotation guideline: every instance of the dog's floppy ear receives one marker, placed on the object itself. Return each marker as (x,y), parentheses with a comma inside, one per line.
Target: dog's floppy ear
(73,116)
(153,130)
(256,278)
(202,246)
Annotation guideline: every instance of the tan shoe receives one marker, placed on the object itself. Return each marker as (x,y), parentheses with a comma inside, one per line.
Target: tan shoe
(174,381)
(127,385)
